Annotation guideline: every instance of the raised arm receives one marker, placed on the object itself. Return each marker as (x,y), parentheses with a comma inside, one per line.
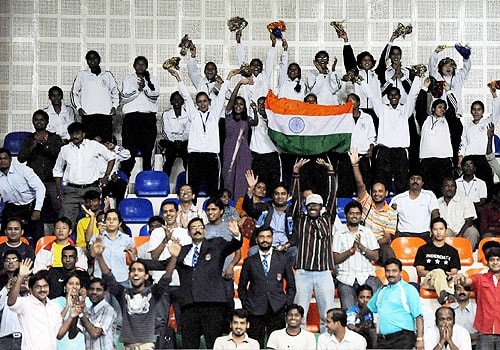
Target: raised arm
(192,67)
(330,202)
(271,58)
(283,64)
(296,193)
(358,177)
(230,103)
(24,271)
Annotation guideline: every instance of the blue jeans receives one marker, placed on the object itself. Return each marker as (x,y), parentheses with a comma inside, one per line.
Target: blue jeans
(321,282)
(488,342)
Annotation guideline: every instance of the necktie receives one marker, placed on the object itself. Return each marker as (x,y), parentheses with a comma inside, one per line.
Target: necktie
(196,255)
(265,265)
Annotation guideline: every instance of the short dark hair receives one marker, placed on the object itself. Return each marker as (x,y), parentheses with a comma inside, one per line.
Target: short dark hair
(100,281)
(140,261)
(92,194)
(195,220)
(71,275)
(338,315)
(156,218)
(364,54)
(240,313)
(441,220)
(92,52)
(299,308)
(480,103)
(117,212)
(394,261)
(281,184)
(169,202)
(16,219)
(321,52)
(493,252)
(12,252)
(71,248)
(56,88)
(353,204)
(74,127)
(362,288)
(488,245)
(444,308)
(202,93)
(468,158)
(215,201)
(42,113)
(175,94)
(64,220)
(186,184)
(40,275)
(5,150)
(438,102)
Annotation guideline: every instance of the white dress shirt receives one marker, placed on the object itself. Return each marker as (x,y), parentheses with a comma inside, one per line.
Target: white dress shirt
(21,186)
(58,123)
(144,101)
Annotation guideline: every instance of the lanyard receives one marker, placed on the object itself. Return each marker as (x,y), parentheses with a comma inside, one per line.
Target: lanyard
(204,123)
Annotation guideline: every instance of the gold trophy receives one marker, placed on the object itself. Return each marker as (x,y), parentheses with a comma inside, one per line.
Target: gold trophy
(419,70)
(246,70)
(185,44)
(402,30)
(172,62)
(237,23)
(338,26)
(353,76)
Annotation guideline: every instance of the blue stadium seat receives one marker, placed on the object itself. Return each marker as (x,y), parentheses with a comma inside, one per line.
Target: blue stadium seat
(13,141)
(496,139)
(144,231)
(136,210)
(152,183)
(181,180)
(341,203)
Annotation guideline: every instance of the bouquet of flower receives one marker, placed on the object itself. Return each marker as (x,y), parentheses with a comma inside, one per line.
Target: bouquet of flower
(402,30)
(338,26)
(463,50)
(353,76)
(277,28)
(436,88)
(185,44)
(172,62)
(245,70)
(419,70)
(494,83)
(237,23)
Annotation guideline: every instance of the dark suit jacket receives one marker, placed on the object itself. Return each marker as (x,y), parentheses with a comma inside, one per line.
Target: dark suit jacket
(204,283)
(257,291)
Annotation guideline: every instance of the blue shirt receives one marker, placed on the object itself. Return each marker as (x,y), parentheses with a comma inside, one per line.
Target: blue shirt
(352,316)
(398,306)
(278,222)
(114,255)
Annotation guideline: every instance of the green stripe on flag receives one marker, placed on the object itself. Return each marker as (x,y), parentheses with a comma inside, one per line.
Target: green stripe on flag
(311,145)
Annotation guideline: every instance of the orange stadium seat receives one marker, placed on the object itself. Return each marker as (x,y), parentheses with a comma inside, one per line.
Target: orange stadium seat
(464,248)
(480,255)
(380,273)
(4,239)
(405,248)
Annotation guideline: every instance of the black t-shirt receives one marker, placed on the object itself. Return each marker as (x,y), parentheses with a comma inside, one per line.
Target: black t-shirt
(431,257)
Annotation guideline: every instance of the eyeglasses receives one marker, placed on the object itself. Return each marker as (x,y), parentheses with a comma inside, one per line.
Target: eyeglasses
(11,260)
(194,228)
(185,191)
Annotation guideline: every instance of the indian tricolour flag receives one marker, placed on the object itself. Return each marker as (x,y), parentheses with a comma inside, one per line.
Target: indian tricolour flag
(297,127)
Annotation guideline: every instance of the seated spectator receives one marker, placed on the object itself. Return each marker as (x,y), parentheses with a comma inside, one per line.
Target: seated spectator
(465,311)
(415,208)
(116,243)
(10,330)
(339,336)
(446,334)
(459,213)
(74,294)
(230,212)
(57,275)
(359,317)
(87,226)
(98,320)
(14,231)
(51,254)
(139,303)
(438,263)
(187,207)
(471,186)
(238,337)
(490,216)
(354,249)
(292,336)
(39,317)
(153,223)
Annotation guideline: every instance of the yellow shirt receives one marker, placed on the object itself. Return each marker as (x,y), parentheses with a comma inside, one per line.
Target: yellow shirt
(57,254)
(81,227)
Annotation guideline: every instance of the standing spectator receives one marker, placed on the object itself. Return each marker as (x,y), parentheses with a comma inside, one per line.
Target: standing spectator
(139,95)
(60,115)
(339,336)
(292,336)
(359,317)
(138,303)
(440,139)
(238,337)
(446,71)
(98,320)
(14,231)
(446,334)
(459,213)
(363,140)
(261,288)
(437,263)
(465,311)
(22,192)
(378,216)
(77,165)
(51,254)
(486,290)
(313,233)
(400,311)
(289,82)
(175,126)
(266,162)
(10,330)
(39,317)
(202,288)
(57,275)
(116,243)
(323,82)
(95,96)
(471,186)
(354,249)
(203,143)
(87,226)
(415,208)
(40,151)
(237,157)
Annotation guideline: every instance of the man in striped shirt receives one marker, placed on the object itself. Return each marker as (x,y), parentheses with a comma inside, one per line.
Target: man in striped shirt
(312,235)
